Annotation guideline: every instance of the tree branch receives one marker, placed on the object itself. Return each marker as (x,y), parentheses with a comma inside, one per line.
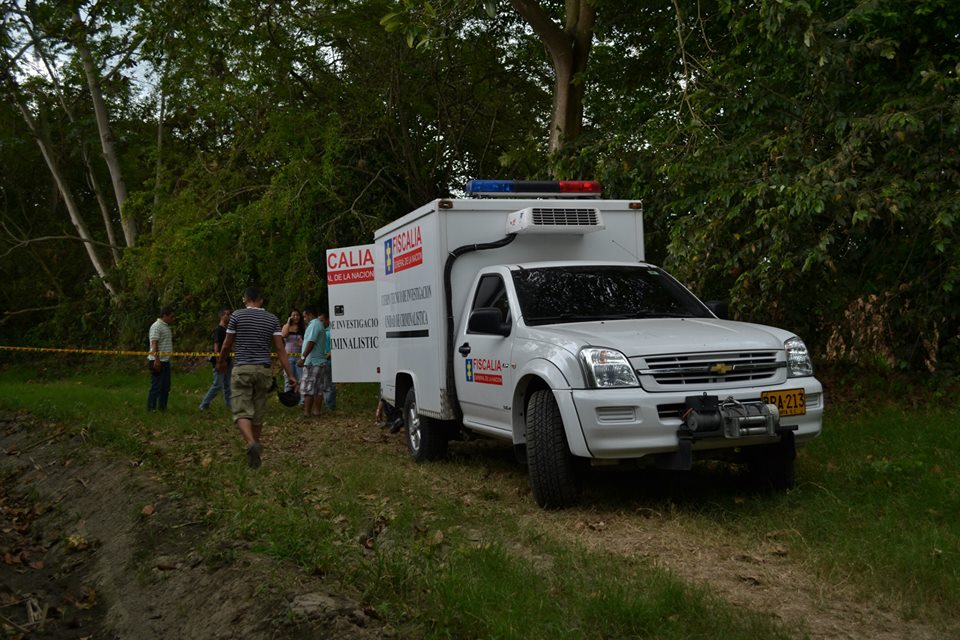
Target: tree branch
(125,57)
(26,241)
(20,312)
(552,36)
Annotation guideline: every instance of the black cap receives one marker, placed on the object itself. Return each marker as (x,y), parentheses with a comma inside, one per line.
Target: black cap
(288,398)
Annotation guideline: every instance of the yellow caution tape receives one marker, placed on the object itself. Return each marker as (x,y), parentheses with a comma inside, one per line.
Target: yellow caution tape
(107,352)
(119,352)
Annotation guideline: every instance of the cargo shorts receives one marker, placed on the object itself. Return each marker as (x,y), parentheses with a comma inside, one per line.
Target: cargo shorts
(250,385)
(308,382)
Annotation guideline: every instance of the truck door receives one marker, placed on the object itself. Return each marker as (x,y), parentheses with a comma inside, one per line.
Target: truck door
(483,370)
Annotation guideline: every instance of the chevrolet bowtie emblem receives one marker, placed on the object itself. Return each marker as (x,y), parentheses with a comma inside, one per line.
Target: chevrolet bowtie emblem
(721,368)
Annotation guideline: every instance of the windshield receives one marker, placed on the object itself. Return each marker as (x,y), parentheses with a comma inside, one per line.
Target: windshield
(581,294)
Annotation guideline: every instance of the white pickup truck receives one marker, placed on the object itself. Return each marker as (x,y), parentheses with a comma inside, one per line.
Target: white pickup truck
(527,313)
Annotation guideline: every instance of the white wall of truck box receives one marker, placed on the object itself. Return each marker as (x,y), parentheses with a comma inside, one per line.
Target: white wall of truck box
(410,254)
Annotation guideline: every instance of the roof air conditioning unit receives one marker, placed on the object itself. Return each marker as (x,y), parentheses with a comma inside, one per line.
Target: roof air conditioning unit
(555,220)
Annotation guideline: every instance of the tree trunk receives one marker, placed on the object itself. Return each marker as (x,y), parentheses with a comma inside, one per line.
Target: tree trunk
(156,183)
(569,49)
(104,208)
(91,174)
(103,126)
(75,217)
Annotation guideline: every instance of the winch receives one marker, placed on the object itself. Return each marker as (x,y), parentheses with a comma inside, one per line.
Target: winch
(708,416)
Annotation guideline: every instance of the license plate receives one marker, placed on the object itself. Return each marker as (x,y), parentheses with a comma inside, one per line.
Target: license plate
(790,402)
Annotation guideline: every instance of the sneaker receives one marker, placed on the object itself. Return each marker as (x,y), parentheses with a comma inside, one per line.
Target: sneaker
(397,425)
(253,455)
(203,408)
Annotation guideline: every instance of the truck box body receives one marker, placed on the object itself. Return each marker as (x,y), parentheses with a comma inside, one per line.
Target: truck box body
(410,255)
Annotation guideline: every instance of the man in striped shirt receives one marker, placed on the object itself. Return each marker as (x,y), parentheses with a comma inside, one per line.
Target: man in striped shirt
(250,334)
(158,359)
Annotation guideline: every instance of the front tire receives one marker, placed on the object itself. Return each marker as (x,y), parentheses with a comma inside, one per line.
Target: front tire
(426,438)
(551,466)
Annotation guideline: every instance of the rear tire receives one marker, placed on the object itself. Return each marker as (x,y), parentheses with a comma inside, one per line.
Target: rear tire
(551,466)
(426,437)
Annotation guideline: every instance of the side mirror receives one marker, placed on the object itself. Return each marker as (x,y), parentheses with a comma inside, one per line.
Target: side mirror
(488,320)
(718,308)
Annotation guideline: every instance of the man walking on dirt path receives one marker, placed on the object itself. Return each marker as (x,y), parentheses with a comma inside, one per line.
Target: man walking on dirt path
(158,360)
(250,333)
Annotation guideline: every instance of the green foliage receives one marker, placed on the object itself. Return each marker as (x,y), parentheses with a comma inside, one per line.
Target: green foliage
(814,174)
(797,158)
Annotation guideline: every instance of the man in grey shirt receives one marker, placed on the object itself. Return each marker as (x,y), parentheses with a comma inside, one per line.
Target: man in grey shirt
(251,332)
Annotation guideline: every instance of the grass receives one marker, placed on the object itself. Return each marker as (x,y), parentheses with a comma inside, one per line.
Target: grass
(880,496)
(458,549)
(877,506)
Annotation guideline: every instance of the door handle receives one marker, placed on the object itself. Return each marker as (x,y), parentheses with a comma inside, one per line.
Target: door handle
(464,349)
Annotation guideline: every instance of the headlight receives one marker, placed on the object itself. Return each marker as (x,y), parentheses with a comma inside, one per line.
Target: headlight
(607,368)
(798,359)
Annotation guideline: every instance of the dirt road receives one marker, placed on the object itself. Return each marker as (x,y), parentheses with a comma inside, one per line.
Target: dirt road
(94,547)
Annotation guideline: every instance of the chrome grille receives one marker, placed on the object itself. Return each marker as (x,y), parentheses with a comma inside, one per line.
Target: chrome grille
(565,217)
(677,371)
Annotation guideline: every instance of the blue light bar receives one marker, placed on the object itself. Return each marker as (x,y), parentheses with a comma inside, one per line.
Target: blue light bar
(538,188)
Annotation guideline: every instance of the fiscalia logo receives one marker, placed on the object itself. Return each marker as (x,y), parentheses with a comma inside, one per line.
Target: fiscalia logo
(484,371)
(403,251)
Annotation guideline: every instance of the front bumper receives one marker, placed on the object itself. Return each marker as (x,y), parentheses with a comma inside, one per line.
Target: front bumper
(633,423)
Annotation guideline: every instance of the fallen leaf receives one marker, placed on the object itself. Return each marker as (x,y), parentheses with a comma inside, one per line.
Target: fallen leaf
(38,565)
(206,462)
(746,557)
(148,510)
(752,580)
(77,543)
(88,598)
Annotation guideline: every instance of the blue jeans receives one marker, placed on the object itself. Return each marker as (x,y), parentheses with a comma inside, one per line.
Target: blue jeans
(159,386)
(297,371)
(220,381)
(330,397)
(326,385)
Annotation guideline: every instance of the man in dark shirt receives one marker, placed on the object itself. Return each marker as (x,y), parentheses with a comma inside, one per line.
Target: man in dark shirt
(250,333)
(220,380)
